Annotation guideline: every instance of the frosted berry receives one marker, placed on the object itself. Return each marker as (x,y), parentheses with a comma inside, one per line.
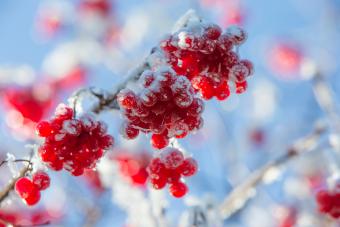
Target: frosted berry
(172,158)
(129,132)
(188,167)
(178,189)
(127,99)
(41,180)
(27,190)
(73,144)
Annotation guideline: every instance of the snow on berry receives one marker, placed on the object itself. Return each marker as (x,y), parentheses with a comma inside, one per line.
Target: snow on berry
(170,168)
(27,190)
(205,55)
(41,180)
(72,144)
(166,107)
(329,202)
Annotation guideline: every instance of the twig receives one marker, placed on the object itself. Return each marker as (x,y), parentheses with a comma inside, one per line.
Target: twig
(325,98)
(243,192)
(5,192)
(17,160)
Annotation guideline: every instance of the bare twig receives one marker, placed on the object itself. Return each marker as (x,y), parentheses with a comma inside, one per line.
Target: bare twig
(325,98)
(17,160)
(243,192)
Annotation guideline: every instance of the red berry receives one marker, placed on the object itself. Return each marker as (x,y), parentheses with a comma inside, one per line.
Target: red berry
(127,99)
(213,32)
(241,87)
(44,129)
(159,141)
(33,198)
(188,167)
(172,158)
(129,132)
(178,189)
(41,180)
(158,183)
(27,190)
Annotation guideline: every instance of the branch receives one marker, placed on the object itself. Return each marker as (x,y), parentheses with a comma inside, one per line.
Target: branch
(325,98)
(17,160)
(5,192)
(110,101)
(243,192)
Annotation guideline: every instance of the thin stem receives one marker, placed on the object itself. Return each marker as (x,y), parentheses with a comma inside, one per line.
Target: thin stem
(243,192)
(5,192)
(17,160)
(324,96)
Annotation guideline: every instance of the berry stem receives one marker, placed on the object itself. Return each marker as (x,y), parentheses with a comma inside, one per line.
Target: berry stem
(243,192)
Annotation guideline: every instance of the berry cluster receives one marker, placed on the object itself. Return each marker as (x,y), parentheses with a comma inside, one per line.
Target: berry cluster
(72,144)
(169,168)
(133,167)
(205,55)
(166,107)
(29,190)
(329,202)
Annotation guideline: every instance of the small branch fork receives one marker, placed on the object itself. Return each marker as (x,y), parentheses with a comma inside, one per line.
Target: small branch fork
(9,187)
(243,192)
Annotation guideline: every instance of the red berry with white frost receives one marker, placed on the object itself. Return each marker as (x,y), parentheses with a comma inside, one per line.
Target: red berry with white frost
(41,180)
(72,144)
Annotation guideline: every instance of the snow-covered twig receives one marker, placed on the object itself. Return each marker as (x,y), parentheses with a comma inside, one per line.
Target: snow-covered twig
(325,98)
(10,186)
(110,101)
(243,192)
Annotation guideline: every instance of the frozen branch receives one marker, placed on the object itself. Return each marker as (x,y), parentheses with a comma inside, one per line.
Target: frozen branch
(10,186)
(107,102)
(325,98)
(243,192)
(5,192)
